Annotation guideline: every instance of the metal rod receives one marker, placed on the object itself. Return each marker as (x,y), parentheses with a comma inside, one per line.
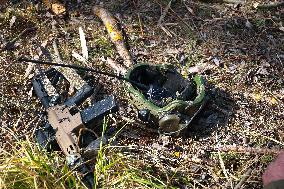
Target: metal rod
(140,85)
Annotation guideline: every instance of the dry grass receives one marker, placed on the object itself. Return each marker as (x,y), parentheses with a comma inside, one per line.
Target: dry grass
(27,166)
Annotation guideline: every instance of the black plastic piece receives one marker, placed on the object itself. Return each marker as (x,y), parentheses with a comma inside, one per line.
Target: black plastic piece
(87,176)
(86,137)
(45,137)
(56,78)
(81,95)
(40,92)
(88,180)
(99,110)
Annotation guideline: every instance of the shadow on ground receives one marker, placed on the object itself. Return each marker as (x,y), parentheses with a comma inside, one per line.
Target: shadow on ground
(215,115)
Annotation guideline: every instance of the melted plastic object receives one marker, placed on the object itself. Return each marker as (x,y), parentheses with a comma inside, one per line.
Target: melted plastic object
(157,94)
(172,100)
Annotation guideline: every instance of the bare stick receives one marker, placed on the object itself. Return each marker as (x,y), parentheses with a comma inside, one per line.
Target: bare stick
(56,51)
(115,34)
(9,45)
(234,1)
(244,178)
(115,66)
(270,5)
(242,149)
(83,43)
(162,17)
(164,13)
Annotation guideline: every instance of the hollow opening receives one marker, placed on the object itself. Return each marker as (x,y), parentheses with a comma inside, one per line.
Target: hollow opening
(163,85)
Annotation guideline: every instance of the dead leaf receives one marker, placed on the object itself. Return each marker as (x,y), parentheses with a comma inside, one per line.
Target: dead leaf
(58,8)
(257,96)
(12,21)
(55,6)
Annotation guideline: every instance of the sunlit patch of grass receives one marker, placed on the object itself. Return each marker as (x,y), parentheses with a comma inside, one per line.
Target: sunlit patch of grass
(28,166)
(115,170)
(119,171)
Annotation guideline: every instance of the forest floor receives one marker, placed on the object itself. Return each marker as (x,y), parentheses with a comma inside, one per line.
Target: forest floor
(237,48)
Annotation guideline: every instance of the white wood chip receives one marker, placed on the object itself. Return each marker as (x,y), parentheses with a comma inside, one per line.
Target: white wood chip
(78,57)
(83,43)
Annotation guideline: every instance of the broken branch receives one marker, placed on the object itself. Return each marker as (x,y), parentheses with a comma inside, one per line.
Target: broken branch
(242,149)
(115,33)
(9,45)
(270,5)
(164,13)
(244,178)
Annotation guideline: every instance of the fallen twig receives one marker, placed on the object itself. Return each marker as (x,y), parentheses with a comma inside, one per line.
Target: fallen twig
(234,1)
(162,17)
(180,18)
(31,66)
(229,181)
(115,66)
(270,5)
(79,57)
(56,51)
(242,149)
(164,13)
(70,74)
(140,24)
(115,33)
(244,178)
(83,43)
(188,8)
(166,30)
(9,45)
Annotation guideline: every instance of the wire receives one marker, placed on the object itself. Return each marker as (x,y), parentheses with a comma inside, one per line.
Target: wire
(140,85)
